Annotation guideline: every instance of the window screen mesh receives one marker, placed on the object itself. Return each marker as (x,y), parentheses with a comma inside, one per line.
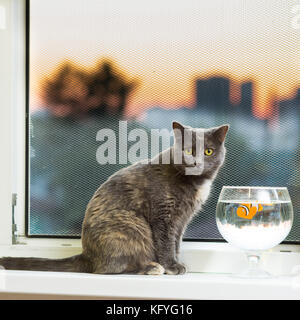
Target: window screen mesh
(200,63)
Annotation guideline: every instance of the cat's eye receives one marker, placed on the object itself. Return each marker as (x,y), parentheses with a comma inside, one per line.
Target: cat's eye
(208,151)
(188,151)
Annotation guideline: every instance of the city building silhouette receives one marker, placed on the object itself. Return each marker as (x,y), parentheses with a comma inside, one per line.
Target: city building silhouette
(246,102)
(213,93)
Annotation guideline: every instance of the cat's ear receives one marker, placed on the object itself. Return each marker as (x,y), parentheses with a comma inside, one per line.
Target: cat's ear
(178,129)
(221,132)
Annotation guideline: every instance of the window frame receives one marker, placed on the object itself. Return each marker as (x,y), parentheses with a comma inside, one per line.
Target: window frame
(13,165)
(6,80)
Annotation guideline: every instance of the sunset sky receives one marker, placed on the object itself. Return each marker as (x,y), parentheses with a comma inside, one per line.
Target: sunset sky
(166,44)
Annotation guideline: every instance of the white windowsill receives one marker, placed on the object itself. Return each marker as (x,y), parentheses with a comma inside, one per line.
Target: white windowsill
(209,265)
(188,286)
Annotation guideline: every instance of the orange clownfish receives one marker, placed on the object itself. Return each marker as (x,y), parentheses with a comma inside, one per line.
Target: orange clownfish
(248,210)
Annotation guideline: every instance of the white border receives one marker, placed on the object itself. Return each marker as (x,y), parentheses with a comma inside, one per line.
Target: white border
(198,256)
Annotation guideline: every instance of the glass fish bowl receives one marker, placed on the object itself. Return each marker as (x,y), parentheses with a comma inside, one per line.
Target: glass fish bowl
(254,219)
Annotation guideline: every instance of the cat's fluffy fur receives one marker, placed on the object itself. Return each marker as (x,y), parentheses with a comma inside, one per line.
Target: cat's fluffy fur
(135,220)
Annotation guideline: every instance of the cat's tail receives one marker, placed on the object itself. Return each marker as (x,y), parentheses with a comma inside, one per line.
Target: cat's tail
(76,263)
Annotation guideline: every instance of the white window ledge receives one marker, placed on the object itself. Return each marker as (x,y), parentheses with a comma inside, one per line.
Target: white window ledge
(209,266)
(188,286)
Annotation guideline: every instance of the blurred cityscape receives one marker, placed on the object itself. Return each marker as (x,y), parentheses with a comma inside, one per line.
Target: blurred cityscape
(77,103)
(279,130)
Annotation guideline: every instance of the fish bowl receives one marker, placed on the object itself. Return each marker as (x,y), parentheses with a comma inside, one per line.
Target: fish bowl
(254,219)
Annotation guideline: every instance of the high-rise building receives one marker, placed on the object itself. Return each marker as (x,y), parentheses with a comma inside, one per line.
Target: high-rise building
(297,96)
(213,93)
(246,102)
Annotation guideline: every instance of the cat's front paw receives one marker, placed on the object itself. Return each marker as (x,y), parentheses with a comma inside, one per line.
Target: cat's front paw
(175,268)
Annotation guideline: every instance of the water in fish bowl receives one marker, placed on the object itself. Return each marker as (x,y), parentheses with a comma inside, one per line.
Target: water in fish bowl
(253,225)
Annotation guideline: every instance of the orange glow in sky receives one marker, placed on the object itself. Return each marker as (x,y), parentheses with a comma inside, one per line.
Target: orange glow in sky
(166,44)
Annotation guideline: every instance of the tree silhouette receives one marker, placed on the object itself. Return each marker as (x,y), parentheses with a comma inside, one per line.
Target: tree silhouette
(72,92)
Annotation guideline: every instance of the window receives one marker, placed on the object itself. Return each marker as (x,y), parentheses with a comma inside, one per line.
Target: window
(204,63)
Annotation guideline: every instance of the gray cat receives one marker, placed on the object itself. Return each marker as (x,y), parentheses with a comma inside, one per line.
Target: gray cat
(135,220)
